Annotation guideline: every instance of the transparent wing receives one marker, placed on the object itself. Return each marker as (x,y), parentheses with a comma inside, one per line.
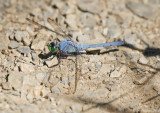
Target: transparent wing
(44,27)
(55,24)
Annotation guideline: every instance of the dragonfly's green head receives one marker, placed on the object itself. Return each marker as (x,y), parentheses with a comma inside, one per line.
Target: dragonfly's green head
(52,48)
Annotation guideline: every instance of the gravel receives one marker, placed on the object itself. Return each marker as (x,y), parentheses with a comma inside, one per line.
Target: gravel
(29,81)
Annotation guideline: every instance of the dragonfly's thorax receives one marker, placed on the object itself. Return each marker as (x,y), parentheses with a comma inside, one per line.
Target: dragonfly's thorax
(67,46)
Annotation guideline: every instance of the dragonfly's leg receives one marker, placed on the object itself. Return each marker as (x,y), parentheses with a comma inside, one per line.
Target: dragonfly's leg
(58,58)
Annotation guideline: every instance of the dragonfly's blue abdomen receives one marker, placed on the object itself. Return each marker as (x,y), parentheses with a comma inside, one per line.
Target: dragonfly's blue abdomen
(82,47)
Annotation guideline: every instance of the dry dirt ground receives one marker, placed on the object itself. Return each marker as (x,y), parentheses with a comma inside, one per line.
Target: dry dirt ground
(111,80)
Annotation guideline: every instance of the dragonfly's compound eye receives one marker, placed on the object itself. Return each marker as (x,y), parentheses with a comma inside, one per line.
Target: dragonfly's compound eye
(52,44)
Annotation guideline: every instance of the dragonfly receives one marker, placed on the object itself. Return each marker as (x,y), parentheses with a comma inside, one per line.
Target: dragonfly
(68,47)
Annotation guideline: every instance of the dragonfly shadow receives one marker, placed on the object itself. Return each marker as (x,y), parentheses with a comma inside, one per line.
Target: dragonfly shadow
(148,52)
(45,56)
(98,52)
(93,52)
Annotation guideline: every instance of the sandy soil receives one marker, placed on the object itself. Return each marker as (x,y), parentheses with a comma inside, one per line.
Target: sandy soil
(121,79)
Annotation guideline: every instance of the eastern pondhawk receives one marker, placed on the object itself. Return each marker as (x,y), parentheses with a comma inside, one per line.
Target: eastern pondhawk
(68,47)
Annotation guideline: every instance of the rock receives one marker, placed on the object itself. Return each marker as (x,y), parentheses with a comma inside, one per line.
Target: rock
(40,76)
(156,87)
(143,60)
(53,80)
(141,10)
(13,44)
(133,56)
(6,86)
(16,53)
(71,21)
(4,42)
(34,56)
(16,93)
(24,49)
(55,90)
(25,39)
(105,31)
(133,40)
(52,62)
(16,79)
(64,80)
(19,35)
(88,20)
(92,6)
(68,10)
(39,42)
(26,67)
(142,80)
(106,69)
(101,93)
(115,74)
(76,107)
(133,104)
(114,32)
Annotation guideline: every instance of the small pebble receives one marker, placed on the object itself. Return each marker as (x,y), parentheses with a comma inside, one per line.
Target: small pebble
(64,80)
(6,86)
(143,60)
(141,9)
(115,74)
(52,62)
(55,90)
(34,56)
(26,67)
(24,49)
(13,44)
(19,35)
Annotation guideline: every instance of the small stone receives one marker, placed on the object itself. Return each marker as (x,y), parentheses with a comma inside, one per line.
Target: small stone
(88,20)
(55,90)
(115,74)
(53,80)
(143,60)
(76,107)
(101,93)
(34,56)
(133,105)
(4,42)
(71,21)
(19,35)
(64,80)
(92,6)
(132,39)
(40,76)
(39,42)
(52,62)
(6,86)
(68,10)
(105,31)
(16,93)
(13,44)
(26,40)
(24,49)
(16,53)
(26,67)
(16,79)
(141,80)
(141,9)
(156,87)
(106,68)
(114,32)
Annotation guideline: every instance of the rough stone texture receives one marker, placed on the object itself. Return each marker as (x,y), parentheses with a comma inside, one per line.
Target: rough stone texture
(140,9)
(114,79)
